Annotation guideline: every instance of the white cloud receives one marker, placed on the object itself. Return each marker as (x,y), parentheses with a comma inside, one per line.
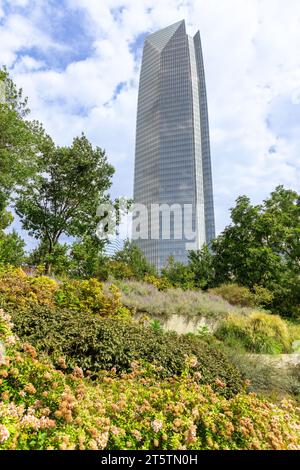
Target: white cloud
(253,75)
(28,64)
(17,34)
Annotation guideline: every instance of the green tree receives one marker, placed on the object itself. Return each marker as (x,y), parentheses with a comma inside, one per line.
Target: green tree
(178,274)
(201,264)
(11,249)
(261,248)
(59,258)
(88,259)
(19,139)
(11,245)
(134,258)
(242,255)
(63,197)
(19,149)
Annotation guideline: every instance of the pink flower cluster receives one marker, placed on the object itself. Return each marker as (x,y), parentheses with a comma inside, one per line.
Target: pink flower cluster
(4,433)
(156,425)
(31,421)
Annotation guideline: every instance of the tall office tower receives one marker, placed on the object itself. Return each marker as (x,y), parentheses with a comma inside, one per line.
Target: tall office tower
(172,161)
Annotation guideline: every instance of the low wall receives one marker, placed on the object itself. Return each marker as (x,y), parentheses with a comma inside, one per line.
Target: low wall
(182,324)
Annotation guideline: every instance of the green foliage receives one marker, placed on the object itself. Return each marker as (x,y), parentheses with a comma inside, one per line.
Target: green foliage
(87,296)
(235,295)
(119,270)
(62,199)
(256,333)
(262,296)
(133,262)
(11,249)
(87,259)
(239,295)
(261,248)
(45,408)
(286,293)
(204,333)
(178,274)
(21,292)
(58,258)
(84,259)
(156,325)
(294,330)
(94,344)
(201,263)
(18,144)
(6,218)
(161,283)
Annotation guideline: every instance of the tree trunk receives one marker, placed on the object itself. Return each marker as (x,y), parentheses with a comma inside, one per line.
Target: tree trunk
(48,268)
(48,264)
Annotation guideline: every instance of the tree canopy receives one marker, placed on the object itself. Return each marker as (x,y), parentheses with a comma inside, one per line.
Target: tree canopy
(261,247)
(19,139)
(63,196)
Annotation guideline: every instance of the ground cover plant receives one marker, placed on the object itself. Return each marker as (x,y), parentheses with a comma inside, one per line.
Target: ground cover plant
(45,408)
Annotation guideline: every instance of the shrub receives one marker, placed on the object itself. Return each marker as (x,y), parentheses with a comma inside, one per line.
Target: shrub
(43,408)
(239,295)
(17,290)
(120,270)
(161,283)
(262,296)
(87,296)
(294,329)
(133,263)
(94,344)
(178,274)
(257,333)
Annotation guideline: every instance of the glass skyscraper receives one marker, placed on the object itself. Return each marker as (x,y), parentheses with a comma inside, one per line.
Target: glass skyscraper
(172,161)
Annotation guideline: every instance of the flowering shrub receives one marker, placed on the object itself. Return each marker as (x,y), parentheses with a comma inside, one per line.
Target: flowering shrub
(258,333)
(43,408)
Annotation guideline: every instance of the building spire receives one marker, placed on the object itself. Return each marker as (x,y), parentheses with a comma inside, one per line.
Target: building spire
(161,38)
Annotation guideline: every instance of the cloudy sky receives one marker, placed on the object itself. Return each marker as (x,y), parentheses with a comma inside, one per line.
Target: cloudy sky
(78,61)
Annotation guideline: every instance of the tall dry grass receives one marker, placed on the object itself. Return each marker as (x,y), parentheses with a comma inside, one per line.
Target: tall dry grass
(146,298)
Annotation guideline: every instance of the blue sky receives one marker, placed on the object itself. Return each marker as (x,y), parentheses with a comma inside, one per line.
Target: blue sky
(78,61)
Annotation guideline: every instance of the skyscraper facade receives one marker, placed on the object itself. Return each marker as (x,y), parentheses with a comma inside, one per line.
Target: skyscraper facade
(172,161)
